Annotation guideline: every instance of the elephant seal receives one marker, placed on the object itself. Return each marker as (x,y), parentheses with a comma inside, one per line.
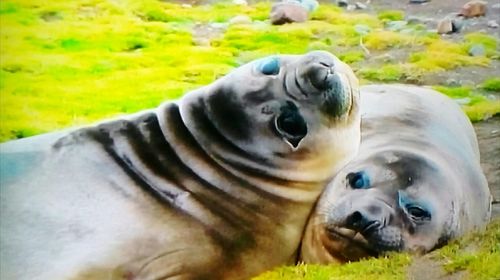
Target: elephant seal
(218,185)
(415,183)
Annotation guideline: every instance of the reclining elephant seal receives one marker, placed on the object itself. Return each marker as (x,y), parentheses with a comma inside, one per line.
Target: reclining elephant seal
(415,183)
(218,185)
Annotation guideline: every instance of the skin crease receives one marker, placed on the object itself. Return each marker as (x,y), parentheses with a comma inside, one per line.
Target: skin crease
(415,183)
(212,186)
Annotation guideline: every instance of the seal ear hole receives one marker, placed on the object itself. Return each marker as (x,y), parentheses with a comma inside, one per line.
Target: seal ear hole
(358,180)
(291,125)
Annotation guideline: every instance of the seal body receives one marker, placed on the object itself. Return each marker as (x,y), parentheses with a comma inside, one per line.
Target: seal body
(215,186)
(415,183)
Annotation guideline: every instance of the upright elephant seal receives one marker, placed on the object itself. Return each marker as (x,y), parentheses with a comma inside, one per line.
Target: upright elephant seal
(415,183)
(216,186)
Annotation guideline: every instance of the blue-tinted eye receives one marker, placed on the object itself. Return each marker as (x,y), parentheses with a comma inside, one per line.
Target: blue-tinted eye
(358,180)
(269,66)
(418,212)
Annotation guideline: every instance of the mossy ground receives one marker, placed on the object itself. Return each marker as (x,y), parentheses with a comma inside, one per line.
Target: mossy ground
(476,256)
(67,63)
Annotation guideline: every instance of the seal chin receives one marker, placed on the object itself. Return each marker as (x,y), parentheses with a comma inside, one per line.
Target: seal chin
(350,245)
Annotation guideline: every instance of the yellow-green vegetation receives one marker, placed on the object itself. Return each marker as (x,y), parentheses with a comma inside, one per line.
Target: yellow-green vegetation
(67,63)
(477,254)
(476,105)
(389,267)
(492,84)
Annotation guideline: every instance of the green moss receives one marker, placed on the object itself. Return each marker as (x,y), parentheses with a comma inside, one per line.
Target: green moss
(492,84)
(478,254)
(386,73)
(475,105)
(391,15)
(352,56)
(390,267)
(489,42)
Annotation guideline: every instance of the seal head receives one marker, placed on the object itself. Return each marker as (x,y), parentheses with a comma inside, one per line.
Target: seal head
(415,183)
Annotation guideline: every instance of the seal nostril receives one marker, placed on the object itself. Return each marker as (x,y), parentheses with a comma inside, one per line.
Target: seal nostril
(356,217)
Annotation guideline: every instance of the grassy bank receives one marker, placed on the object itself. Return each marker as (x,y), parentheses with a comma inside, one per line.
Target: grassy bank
(67,63)
(475,256)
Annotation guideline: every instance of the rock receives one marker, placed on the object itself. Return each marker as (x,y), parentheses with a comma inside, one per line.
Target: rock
(360,6)
(477,50)
(342,3)
(457,24)
(453,83)
(310,5)
(240,2)
(418,20)
(287,12)
(396,25)
(445,26)
(187,6)
(362,29)
(473,9)
(463,101)
(240,19)
(418,1)
(492,24)
(351,7)
(205,42)
(218,25)
(496,6)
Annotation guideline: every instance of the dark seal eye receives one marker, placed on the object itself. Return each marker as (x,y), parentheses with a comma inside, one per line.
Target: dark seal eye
(418,213)
(358,180)
(290,124)
(269,66)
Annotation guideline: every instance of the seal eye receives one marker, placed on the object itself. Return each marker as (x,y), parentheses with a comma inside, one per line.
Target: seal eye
(291,125)
(358,180)
(418,213)
(269,66)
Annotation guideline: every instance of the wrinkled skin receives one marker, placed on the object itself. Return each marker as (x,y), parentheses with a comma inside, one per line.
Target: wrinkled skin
(415,184)
(215,186)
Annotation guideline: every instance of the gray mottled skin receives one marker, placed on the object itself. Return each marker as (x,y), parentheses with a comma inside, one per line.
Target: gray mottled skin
(215,186)
(417,149)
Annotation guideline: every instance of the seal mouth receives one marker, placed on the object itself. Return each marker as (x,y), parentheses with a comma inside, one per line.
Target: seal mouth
(349,244)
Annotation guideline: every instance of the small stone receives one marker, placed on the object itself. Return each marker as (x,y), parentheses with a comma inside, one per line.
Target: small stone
(445,26)
(457,24)
(342,3)
(310,5)
(492,24)
(463,101)
(477,50)
(287,12)
(360,6)
(452,83)
(473,9)
(396,25)
(205,42)
(240,19)
(351,7)
(187,6)
(418,1)
(218,25)
(240,2)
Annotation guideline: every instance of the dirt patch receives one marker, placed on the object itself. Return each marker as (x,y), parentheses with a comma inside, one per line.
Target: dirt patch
(488,134)
(426,268)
